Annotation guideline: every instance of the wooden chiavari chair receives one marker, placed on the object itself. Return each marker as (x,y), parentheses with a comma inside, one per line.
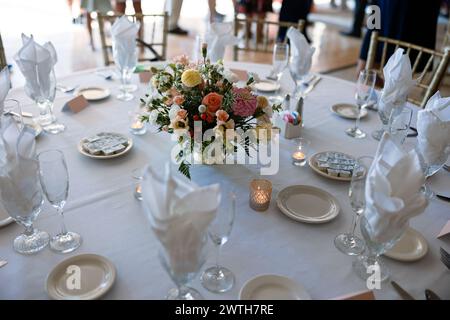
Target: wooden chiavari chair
(155,29)
(429,79)
(3,62)
(268,28)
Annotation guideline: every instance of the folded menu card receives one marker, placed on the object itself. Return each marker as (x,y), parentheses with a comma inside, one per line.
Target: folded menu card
(241,74)
(76,104)
(363,295)
(445,231)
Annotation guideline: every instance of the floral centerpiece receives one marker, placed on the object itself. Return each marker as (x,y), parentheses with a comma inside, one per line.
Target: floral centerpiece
(189,95)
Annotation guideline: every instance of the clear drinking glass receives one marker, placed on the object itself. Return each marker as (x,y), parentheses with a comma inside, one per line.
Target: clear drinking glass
(385,114)
(430,167)
(55,183)
(399,124)
(299,80)
(126,63)
(137,126)
(138,176)
(219,279)
(349,243)
(280,60)
(44,101)
(364,90)
(300,152)
(11,107)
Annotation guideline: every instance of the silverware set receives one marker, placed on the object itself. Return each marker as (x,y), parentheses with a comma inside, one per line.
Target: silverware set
(405,295)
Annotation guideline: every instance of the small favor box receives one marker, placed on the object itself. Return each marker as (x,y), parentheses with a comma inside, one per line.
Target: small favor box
(292,131)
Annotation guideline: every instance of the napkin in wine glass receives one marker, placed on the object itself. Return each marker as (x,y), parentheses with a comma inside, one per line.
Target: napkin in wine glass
(218,37)
(393,190)
(36,63)
(398,82)
(301,52)
(124,33)
(433,128)
(180,213)
(5,85)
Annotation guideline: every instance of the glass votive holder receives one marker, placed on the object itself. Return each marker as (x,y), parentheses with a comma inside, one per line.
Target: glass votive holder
(137,127)
(260,194)
(300,152)
(138,176)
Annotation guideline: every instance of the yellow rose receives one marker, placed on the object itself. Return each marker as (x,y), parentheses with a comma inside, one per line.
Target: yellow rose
(191,78)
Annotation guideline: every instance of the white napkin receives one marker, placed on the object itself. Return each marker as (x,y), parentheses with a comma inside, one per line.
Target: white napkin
(124,33)
(218,36)
(393,193)
(20,191)
(398,82)
(36,63)
(433,127)
(180,213)
(5,85)
(301,51)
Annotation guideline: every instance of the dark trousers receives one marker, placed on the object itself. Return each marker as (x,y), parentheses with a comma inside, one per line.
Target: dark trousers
(292,11)
(358,16)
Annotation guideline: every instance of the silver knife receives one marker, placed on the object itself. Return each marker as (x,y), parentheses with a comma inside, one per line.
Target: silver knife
(3,263)
(312,85)
(443,198)
(402,292)
(430,295)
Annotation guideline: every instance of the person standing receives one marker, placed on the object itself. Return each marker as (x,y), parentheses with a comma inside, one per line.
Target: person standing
(173,7)
(255,9)
(358,19)
(90,6)
(121,7)
(293,11)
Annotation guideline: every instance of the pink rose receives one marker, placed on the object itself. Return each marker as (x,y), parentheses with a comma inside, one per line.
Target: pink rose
(245,102)
(222,115)
(178,100)
(182,113)
(212,101)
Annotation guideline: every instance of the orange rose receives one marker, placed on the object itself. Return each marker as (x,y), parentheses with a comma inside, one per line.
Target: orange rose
(178,100)
(222,115)
(182,113)
(213,101)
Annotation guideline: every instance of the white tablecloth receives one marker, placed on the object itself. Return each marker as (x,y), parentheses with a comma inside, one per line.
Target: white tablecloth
(101,207)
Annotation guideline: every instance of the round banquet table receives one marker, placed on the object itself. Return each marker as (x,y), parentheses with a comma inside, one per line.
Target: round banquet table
(102,208)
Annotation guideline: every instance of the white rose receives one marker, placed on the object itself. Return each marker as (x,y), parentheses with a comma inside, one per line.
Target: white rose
(153,116)
(173,111)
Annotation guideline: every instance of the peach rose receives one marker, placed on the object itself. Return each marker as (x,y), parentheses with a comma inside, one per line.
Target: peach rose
(182,114)
(213,101)
(222,115)
(262,102)
(178,100)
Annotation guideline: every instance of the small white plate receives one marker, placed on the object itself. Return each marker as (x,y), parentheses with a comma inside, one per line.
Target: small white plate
(266,86)
(97,275)
(412,246)
(104,157)
(348,111)
(313,165)
(308,204)
(273,287)
(5,219)
(93,93)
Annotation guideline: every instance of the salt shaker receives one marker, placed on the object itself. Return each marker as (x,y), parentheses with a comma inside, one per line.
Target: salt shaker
(287,103)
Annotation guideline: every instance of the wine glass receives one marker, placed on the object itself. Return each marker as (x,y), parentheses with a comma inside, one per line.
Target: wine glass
(364,89)
(349,243)
(126,62)
(11,107)
(280,61)
(399,124)
(55,183)
(430,166)
(219,279)
(299,80)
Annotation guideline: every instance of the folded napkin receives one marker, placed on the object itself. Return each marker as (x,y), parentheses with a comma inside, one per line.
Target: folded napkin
(398,82)
(301,52)
(20,191)
(124,33)
(393,193)
(5,85)
(179,213)
(433,127)
(218,36)
(36,63)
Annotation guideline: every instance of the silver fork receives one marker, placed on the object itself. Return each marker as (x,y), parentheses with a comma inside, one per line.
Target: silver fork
(445,258)
(66,89)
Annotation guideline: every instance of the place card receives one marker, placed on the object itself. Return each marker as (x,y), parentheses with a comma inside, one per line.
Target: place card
(241,74)
(145,76)
(445,231)
(76,104)
(362,295)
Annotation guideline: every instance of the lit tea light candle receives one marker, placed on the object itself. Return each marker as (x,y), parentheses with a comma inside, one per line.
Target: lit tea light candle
(137,125)
(298,155)
(260,194)
(138,192)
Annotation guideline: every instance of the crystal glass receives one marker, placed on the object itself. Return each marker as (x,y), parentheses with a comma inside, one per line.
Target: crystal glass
(300,152)
(138,176)
(349,243)
(280,61)
(44,101)
(11,107)
(55,183)
(385,114)
(399,124)
(364,90)
(137,126)
(299,80)
(126,63)
(219,279)
(431,167)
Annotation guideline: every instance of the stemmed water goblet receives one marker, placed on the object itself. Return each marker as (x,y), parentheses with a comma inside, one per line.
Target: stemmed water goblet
(431,167)
(126,64)
(219,279)
(54,179)
(280,60)
(399,124)
(364,90)
(349,243)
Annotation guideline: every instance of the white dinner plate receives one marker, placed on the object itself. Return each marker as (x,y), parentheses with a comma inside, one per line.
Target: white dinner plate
(307,204)
(313,165)
(347,111)
(104,157)
(273,287)
(5,219)
(97,275)
(266,86)
(93,93)
(412,246)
